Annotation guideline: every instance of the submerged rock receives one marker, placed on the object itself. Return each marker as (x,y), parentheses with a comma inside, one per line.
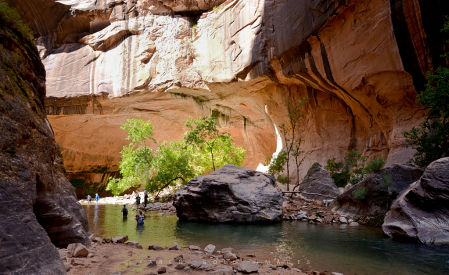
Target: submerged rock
(318,184)
(370,199)
(421,212)
(230,194)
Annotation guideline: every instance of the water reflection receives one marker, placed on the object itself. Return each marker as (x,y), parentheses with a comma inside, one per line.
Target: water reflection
(335,248)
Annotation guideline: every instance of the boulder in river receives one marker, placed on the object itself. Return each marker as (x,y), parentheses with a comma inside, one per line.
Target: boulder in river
(421,212)
(370,199)
(318,184)
(230,194)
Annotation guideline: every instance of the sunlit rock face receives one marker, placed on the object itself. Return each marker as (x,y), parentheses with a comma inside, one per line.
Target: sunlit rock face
(361,64)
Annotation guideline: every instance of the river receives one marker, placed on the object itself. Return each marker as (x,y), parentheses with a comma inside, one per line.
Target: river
(335,248)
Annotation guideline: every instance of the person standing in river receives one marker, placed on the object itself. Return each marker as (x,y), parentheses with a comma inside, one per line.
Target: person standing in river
(125,211)
(89,198)
(97,197)
(140,217)
(145,198)
(138,200)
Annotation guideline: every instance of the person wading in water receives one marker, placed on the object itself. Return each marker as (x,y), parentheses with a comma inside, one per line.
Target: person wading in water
(125,211)
(137,200)
(140,217)
(145,198)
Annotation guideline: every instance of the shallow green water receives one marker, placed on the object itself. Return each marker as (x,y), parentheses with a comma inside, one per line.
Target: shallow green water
(335,248)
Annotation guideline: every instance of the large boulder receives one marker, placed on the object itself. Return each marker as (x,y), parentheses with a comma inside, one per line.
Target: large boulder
(38,208)
(318,184)
(421,212)
(370,199)
(230,194)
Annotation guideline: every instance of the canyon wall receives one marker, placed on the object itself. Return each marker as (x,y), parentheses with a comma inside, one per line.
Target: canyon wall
(38,207)
(360,62)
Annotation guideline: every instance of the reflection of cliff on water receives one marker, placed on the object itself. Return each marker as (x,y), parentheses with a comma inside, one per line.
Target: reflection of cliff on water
(337,248)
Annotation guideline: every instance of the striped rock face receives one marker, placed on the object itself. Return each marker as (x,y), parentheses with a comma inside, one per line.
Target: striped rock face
(360,63)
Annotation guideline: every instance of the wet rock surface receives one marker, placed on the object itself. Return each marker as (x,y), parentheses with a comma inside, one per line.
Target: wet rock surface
(230,194)
(38,207)
(421,212)
(371,199)
(318,184)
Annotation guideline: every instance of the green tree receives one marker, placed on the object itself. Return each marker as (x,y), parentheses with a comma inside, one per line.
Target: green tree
(137,158)
(172,165)
(276,166)
(210,148)
(290,134)
(431,138)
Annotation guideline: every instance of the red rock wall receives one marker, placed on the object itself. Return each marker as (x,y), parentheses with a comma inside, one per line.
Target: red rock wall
(360,62)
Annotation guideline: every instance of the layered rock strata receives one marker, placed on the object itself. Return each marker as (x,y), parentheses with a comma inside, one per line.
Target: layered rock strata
(421,212)
(230,194)
(360,62)
(370,199)
(38,207)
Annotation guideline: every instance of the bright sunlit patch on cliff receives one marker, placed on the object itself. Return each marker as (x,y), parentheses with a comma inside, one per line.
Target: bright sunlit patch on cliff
(263,168)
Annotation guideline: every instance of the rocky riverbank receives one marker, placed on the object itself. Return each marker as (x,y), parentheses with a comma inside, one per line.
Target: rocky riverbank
(120,256)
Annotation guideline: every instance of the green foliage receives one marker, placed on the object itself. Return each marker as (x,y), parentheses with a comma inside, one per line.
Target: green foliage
(210,148)
(431,138)
(175,163)
(341,179)
(136,163)
(374,165)
(217,9)
(291,137)
(194,26)
(353,168)
(11,18)
(386,179)
(171,165)
(276,166)
(360,193)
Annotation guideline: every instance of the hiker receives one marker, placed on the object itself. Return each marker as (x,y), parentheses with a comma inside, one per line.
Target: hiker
(138,200)
(89,198)
(97,197)
(145,198)
(125,211)
(140,217)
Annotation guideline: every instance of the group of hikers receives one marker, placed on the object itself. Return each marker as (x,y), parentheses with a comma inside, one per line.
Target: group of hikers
(139,217)
(89,198)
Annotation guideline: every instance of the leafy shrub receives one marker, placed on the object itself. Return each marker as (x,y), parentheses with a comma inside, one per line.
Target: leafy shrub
(353,168)
(11,18)
(386,179)
(431,138)
(374,165)
(342,178)
(360,193)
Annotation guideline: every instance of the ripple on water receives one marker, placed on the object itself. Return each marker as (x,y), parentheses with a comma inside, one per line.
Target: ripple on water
(336,248)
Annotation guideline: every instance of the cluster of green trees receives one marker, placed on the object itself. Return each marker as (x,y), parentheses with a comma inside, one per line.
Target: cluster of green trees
(203,148)
(353,168)
(431,138)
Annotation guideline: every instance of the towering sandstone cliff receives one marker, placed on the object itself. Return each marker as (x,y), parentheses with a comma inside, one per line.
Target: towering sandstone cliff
(360,62)
(38,208)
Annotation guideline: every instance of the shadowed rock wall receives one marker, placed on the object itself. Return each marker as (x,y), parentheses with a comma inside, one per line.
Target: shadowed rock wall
(38,207)
(360,62)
